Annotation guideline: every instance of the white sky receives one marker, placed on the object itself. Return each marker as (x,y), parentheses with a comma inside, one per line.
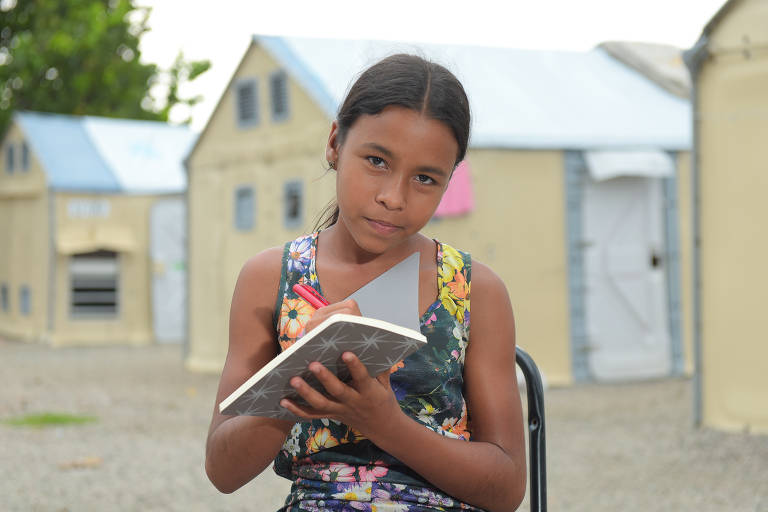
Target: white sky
(221,30)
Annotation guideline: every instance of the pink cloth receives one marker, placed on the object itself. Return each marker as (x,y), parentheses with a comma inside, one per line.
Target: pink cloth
(458,198)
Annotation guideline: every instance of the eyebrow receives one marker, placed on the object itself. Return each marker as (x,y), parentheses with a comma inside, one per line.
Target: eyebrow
(386,152)
(379,148)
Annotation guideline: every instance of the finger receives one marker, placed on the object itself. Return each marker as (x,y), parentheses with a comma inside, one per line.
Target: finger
(383,378)
(302,411)
(335,387)
(313,397)
(348,307)
(352,307)
(357,369)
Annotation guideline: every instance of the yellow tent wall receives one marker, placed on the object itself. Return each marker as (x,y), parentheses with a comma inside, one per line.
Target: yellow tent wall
(733,185)
(24,240)
(124,230)
(264,156)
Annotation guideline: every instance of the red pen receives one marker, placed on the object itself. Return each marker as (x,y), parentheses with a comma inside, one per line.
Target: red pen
(309,294)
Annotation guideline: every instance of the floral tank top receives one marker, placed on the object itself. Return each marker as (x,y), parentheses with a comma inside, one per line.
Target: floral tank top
(332,466)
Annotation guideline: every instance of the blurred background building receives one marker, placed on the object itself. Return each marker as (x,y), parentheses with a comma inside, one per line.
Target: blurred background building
(729,65)
(93,228)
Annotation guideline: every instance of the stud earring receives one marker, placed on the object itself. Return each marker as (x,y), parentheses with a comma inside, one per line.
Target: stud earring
(331,165)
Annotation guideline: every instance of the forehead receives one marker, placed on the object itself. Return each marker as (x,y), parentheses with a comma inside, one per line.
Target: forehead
(405,132)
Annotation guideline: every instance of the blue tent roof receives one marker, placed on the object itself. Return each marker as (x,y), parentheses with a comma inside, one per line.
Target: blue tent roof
(108,155)
(520,98)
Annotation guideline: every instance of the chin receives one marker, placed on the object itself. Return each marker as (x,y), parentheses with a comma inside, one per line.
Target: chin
(373,244)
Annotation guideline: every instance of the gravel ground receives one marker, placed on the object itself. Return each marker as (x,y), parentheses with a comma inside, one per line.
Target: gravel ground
(609,447)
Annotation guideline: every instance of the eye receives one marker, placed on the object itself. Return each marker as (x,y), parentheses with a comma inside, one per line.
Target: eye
(425,180)
(377,162)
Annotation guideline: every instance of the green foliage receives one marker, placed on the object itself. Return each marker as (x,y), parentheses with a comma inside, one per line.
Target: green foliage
(82,57)
(48,419)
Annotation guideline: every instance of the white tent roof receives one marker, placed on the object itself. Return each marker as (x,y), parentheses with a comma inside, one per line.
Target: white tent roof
(87,153)
(519,98)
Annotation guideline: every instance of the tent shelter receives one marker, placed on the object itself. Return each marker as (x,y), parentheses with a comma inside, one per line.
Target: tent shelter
(92,230)
(570,193)
(729,65)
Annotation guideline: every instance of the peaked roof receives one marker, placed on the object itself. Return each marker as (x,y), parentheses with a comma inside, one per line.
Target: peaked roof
(97,154)
(519,98)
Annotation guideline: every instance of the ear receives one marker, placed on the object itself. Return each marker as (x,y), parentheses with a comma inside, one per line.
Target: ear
(332,148)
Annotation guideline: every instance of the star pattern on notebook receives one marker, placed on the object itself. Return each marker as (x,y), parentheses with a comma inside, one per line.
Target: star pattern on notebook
(377,348)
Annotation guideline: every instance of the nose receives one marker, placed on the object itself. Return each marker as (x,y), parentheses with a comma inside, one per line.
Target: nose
(392,194)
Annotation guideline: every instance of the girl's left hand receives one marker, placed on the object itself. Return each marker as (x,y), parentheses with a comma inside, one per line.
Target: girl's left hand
(366,403)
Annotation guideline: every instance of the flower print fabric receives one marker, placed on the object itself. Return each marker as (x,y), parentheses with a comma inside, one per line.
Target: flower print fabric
(300,254)
(332,466)
(294,315)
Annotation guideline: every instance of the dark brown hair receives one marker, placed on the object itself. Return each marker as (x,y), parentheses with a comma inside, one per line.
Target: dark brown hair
(408,81)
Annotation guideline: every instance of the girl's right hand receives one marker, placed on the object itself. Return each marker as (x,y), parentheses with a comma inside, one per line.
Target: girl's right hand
(348,307)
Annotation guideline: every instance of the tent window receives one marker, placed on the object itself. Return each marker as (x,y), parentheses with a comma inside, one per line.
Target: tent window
(24,300)
(278,89)
(10,159)
(24,156)
(245,208)
(247,103)
(293,204)
(4,303)
(94,279)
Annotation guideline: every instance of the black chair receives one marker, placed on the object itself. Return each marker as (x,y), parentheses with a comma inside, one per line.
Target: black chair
(537,453)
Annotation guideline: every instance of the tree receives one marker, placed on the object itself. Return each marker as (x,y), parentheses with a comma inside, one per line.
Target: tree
(82,57)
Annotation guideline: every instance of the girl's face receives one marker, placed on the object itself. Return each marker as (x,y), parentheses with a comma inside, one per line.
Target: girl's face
(391,171)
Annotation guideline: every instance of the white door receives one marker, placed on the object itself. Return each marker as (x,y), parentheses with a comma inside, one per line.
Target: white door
(168,248)
(626,300)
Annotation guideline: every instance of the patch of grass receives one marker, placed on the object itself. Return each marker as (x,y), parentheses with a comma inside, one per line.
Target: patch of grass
(48,419)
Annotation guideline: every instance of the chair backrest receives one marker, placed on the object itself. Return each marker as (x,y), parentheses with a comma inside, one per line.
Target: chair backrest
(537,453)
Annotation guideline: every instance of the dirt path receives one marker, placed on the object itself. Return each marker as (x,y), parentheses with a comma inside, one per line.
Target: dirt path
(618,447)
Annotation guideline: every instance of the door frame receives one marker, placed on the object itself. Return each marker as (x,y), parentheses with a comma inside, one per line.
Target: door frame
(575,177)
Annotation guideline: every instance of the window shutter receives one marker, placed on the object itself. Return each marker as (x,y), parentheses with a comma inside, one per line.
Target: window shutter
(247,103)
(10,159)
(24,300)
(94,284)
(293,204)
(278,85)
(4,303)
(24,156)
(245,208)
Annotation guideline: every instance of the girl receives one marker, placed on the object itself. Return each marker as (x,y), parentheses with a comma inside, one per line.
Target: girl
(400,441)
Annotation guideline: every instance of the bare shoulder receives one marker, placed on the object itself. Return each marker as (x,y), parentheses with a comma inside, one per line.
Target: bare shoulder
(259,277)
(253,303)
(493,324)
(487,286)
(264,265)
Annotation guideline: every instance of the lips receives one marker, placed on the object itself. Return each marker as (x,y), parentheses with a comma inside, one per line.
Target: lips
(382,226)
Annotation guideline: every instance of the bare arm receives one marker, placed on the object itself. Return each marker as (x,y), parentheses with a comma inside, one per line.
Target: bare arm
(490,470)
(241,447)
